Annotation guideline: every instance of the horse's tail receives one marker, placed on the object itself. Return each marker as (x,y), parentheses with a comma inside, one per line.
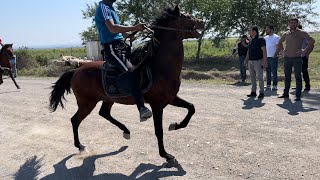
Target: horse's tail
(59,88)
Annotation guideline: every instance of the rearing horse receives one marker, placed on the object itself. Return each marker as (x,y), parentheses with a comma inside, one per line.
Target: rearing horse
(6,54)
(166,63)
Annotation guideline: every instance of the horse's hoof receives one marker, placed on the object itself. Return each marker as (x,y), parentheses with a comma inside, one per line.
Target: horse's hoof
(126,136)
(172,162)
(173,126)
(82,148)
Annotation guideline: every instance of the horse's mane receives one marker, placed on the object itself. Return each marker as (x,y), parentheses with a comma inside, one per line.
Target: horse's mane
(150,47)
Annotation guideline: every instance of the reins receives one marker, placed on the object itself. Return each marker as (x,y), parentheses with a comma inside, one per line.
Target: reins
(172,29)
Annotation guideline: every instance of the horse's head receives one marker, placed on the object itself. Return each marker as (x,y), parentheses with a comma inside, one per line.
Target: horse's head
(173,20)
(7,51)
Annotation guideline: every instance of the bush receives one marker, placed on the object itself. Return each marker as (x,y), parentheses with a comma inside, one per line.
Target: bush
(24,59)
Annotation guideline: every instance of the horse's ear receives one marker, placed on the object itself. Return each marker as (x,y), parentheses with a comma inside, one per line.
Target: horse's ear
(177,10)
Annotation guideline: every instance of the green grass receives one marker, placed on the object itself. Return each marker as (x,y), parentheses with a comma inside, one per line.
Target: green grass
(50,54)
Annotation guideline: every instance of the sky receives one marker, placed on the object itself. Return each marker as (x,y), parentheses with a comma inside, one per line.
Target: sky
(37,23)
(34,23)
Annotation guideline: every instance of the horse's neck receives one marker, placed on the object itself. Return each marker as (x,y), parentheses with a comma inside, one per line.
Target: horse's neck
(4,62)
(169,59)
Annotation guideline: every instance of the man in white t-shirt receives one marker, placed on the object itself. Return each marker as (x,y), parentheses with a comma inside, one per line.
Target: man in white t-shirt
(272,68)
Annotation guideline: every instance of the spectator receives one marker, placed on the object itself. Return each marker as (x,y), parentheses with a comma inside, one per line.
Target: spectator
(305,61)
(13,63)
(242,49)
(271,44)
(256,59)
(1,43)
(292,55)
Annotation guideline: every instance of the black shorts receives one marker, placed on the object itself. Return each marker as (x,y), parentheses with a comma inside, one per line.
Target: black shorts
(117,53)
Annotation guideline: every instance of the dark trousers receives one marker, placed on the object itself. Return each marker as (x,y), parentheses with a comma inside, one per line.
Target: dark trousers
(296,63)
(272,68)
(131,80)
(117,54)
(305,72)
(242,67)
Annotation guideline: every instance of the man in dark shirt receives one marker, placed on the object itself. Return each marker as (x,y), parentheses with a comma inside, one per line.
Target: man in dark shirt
(256,59)
(242,52)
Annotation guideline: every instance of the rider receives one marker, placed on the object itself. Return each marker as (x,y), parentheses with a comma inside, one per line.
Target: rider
(1,42)
(116,52)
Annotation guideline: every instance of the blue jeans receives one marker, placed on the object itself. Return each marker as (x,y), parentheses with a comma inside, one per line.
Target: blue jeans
(243,73)
(272,68)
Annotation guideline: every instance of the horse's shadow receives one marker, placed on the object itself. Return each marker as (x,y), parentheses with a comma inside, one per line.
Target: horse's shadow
(251,103)
(295,108)
(31,169)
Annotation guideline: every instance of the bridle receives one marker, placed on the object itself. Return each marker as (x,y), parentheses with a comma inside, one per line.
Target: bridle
(176,29)
(173,29)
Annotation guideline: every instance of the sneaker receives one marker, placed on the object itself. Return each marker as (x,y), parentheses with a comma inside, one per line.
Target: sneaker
(298,98)
(284,96)
(275,87)
(261,95)
(145,114)
(252,94)
(307,88)
(268,86)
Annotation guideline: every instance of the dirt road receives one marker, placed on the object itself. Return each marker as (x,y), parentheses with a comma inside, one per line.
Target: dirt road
(229,137)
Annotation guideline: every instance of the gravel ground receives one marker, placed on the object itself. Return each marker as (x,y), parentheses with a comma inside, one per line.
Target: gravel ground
(229,137)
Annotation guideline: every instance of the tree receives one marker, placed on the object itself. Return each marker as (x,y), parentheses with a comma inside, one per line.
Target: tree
(222,17)
(91,34)
(244,13)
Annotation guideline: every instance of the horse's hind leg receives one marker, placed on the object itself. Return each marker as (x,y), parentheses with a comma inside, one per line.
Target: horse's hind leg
(84,109)
(183,104)
(105,112)
(14,81)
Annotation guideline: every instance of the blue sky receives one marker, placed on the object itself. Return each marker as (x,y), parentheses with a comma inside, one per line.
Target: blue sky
(35,23)
(41,22)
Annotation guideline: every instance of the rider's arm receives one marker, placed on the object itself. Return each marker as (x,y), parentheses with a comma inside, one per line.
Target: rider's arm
(116,28)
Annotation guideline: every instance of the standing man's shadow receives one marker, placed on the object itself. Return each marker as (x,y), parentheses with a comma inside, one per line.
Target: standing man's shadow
(295,108)
(269,93)
(31,169)
(251,103)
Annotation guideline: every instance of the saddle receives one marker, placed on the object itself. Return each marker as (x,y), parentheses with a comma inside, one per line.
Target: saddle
(116,84)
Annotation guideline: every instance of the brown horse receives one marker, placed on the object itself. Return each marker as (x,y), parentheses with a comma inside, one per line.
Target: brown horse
(6,54)
(166,63)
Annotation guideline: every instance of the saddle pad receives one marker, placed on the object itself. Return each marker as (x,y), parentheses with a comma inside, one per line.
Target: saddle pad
(114,82)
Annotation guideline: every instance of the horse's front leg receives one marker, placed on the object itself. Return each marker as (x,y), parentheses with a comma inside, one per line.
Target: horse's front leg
(14,81)
(183,104)
(157,118)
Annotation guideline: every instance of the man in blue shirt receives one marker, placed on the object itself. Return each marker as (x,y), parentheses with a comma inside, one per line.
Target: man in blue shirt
(13,63)
(117,52)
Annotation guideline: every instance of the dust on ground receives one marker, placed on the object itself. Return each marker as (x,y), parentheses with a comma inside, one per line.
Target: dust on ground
(229,137)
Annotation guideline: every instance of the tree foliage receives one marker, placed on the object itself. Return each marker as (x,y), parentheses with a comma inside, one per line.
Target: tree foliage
(222,17)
